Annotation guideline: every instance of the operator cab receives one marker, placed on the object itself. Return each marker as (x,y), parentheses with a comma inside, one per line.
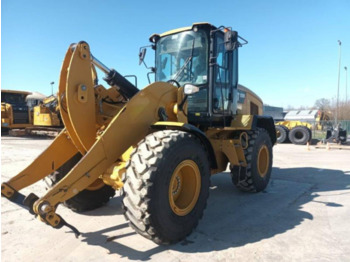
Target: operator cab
(207,57)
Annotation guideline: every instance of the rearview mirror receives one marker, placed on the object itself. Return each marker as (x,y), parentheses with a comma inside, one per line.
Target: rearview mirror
(142,55)
(230,39)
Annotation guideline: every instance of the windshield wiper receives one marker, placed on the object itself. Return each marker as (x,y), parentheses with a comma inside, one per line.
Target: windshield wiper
(182,68)
(189,59)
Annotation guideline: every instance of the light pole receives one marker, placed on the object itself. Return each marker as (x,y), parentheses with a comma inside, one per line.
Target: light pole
(346,84)
(336,112)
(52,87)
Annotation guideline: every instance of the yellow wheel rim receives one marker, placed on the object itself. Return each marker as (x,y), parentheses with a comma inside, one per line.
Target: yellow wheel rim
(97,184)
(263,161)
(184,187)
(278,133)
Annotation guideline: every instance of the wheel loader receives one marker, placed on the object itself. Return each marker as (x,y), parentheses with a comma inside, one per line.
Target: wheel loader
(158,145)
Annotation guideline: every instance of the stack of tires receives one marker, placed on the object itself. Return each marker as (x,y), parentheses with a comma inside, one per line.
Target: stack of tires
(298,135)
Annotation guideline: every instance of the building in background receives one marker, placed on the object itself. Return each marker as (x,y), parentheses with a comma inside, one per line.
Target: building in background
(34,99)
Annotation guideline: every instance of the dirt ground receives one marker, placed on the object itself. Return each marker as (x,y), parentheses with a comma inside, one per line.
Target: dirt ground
(303,215)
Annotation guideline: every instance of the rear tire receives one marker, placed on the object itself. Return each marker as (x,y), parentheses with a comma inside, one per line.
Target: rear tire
(300,135)
(282,134)
(87,199)
(256,176)
(310,133)
(153,187)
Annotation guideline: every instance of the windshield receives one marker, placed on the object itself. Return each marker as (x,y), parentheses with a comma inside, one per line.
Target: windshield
(13,98)
(183,57)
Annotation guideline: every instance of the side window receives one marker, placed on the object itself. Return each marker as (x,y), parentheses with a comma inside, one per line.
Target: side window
(221,60)
(222,87)
(235,68)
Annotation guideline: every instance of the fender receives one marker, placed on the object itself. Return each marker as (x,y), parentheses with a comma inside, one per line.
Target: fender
(267,123)
(190,129)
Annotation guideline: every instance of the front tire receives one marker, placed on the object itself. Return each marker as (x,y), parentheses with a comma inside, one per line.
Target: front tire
(256,176)
(166,186)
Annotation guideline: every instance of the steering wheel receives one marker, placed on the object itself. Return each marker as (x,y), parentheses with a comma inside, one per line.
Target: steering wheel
(174,82)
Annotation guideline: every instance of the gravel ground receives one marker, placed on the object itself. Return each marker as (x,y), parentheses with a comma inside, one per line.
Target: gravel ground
(303,215)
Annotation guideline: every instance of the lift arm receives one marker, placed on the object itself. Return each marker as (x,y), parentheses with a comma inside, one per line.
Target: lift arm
(100,149)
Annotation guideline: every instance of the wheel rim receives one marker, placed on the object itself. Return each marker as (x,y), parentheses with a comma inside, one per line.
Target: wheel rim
(263,160)
(278,133)
(184,187)
(299,135)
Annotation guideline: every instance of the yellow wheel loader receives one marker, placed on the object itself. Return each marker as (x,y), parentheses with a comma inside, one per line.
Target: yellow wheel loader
(159,145)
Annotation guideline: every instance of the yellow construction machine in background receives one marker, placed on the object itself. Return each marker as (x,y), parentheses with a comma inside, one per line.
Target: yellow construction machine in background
(47,113)
(14,110)
(298,125)
(16,114)
(159,145)
(297,132)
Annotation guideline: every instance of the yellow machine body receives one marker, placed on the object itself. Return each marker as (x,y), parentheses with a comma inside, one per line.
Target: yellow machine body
(249,103)
(43,116)
(105,133)
(101,148)
(315,122)
(47,113)
(291,124)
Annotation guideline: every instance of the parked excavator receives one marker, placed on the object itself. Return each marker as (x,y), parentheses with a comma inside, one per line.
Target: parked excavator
(47,113)
(159,145)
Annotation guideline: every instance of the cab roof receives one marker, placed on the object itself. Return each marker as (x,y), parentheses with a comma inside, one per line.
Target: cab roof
(15,92)
(182,29)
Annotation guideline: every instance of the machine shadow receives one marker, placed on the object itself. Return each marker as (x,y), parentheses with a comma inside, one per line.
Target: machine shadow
(114,207)
(233,218)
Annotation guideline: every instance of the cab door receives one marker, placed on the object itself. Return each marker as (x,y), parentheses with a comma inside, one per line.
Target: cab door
(224,82)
